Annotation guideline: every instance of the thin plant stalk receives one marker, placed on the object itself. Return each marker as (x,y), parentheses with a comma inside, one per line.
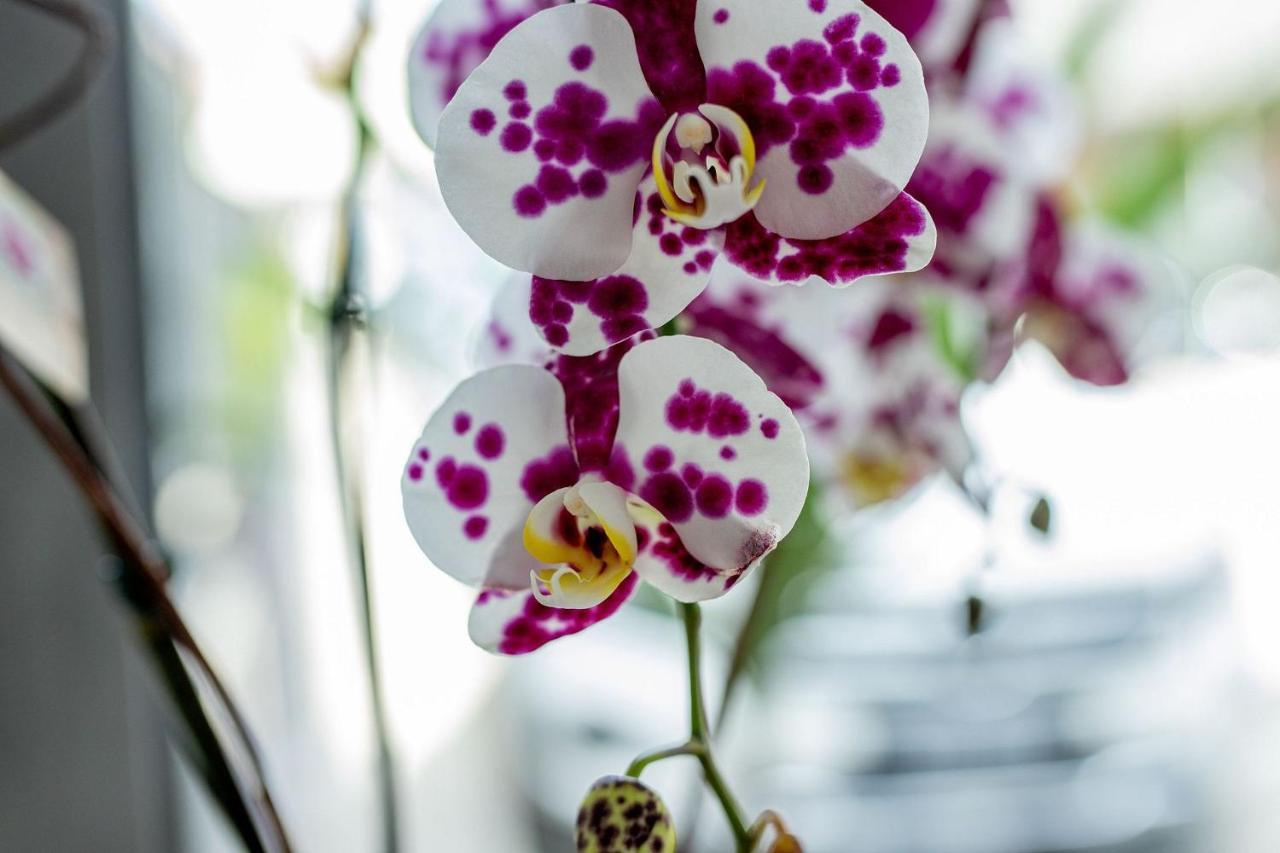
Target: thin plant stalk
(346,329)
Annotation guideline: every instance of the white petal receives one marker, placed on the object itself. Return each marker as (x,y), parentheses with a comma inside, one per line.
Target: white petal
(495,447)
(669,266)
(719,455)
(514,623)
(834,97)
(901,238)
(552,193)
(455,39)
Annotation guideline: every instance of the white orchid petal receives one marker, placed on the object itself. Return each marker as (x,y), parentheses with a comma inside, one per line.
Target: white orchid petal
(834,97)
(549,189)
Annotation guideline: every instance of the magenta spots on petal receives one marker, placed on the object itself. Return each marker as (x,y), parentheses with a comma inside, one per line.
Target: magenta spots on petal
(667,493)
(691,474)
(615,146)
(445,469)
(593,183)
(424,454)
(490,441)
(842,29)
(457,52)
(581,57)
(728,453)
(515,91)
(483,122)
(516,137)
(530,203)
(752,497)
(769,428)
(668,49)
(815,180)
(728,417)
(875,247)
(541,477)
(619,470)
(721,16)
(670,245)
(556,184)
(461,423)
(415,472)
(557,334)
(658,458)
(668,548)
(475,527)
(469,488)
(818,6)
(618,296)
(715,496)
(890,76)
(537,624)
(520,110)
(873,44)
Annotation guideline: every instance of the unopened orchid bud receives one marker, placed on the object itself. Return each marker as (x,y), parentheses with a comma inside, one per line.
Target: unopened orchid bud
(622,814)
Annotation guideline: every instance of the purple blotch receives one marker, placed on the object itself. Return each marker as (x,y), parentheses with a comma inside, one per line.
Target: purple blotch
(658,458)
(415,472)
(469,488)
(581,57)
(483,122)
(769,428)
(721,16)
(461,423)
(490,441)
(516,137)
(669,495)
(752,497)
(714,496)
(475,526)
(728,453)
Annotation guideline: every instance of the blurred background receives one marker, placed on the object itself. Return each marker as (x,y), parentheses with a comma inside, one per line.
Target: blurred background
(1124,695)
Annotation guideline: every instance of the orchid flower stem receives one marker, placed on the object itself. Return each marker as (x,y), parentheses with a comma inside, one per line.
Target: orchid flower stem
(700,730)
(653,757)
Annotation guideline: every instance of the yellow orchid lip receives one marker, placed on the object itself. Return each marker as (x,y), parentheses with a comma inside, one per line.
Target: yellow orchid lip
(706,191)
(584,558)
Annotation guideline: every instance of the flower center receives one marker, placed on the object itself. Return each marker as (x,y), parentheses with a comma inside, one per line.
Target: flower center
(585,546)
(703,163)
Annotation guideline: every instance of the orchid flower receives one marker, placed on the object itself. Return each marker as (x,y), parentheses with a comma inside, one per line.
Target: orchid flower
(1100,302)
(666,461)
(881,400)
(615,149)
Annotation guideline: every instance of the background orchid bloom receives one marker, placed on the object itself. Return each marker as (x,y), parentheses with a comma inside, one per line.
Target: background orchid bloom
(882,380)
(615,150)
(666,461)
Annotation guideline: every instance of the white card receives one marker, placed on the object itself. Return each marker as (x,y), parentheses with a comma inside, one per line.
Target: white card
(41,318)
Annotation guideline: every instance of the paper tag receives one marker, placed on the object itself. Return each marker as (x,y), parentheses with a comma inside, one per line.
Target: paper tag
(41,317)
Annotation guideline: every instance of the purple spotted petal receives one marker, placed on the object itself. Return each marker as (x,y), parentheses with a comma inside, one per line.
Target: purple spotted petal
(515,623)
(668,49)
(719,456)
(550,189)
(456,38)
(899,239)
(494,448)
(669,266)
(834,97)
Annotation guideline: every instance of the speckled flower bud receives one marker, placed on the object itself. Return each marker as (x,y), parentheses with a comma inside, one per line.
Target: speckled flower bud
(620,814)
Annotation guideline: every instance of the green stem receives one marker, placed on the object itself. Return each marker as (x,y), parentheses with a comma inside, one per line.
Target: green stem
(654,756)
(699,730)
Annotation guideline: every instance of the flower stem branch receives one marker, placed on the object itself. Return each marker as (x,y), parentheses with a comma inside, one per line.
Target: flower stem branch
(239,787)
(700,730)
(654,756)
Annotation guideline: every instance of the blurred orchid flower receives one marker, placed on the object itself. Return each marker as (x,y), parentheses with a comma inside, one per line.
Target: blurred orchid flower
(1100,302)
(666,461)
(651,137)
(882,392)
